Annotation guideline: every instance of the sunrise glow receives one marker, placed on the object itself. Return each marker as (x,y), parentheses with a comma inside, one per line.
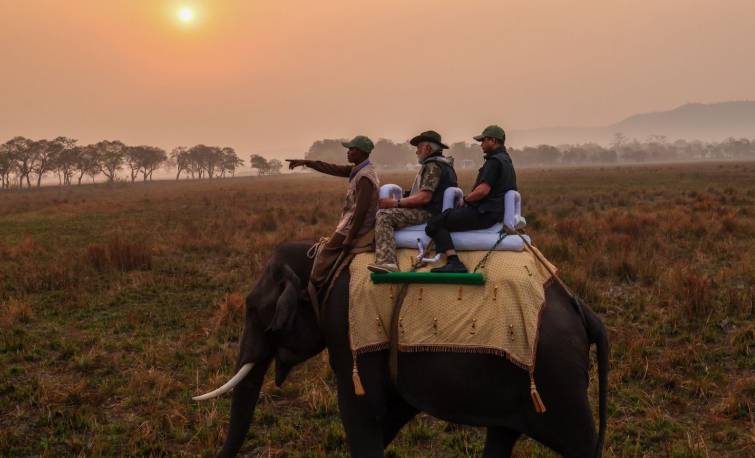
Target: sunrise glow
(185,14)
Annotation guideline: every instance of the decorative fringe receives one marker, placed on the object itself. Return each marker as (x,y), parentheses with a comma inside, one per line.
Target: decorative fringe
(358,387)
(463,349)
(371,348)
(536,400)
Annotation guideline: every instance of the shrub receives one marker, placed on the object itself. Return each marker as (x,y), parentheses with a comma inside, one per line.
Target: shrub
(693,290)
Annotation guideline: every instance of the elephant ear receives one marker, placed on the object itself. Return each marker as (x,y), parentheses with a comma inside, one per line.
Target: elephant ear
(288,300)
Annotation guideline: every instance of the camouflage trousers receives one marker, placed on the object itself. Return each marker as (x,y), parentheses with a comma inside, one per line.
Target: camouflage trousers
(389,219)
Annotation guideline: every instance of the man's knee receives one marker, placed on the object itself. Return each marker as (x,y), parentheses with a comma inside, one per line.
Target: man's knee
(433,224)
(385,217)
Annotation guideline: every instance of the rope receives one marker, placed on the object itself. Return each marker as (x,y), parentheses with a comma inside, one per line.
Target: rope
(315,249)
(576,301)
(311,290)
(541,260)
(502,235)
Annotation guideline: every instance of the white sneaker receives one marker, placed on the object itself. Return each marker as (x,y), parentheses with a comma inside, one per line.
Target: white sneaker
(382,268)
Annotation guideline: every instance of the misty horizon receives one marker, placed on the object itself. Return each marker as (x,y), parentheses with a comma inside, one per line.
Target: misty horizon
(272,77)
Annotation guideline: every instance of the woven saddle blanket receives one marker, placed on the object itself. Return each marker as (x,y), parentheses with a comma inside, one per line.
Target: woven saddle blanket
(499,318)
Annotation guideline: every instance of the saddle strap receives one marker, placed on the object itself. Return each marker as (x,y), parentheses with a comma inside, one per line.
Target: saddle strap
(394,330)
(393,342)
(576,302)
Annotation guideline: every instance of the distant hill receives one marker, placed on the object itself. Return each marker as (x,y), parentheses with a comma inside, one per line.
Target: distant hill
(693,121)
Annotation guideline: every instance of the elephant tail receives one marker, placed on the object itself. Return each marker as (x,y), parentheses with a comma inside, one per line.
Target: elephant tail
(598,335)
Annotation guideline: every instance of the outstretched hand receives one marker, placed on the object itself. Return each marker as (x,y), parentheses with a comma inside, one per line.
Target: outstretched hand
(293,163)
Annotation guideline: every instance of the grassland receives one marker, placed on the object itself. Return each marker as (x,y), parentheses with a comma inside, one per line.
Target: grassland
(117,303)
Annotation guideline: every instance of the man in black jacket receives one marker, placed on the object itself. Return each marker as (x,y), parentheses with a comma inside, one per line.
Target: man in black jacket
(481,208)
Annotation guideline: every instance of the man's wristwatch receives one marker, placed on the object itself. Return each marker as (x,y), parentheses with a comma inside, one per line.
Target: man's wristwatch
(398,203)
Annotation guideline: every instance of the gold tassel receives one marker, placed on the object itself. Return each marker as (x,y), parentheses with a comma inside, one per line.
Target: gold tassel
(536,400)
(358,388)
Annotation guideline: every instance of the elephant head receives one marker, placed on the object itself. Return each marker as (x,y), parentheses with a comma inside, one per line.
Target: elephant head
(281,326)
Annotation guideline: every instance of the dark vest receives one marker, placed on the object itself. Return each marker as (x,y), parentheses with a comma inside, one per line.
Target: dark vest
(447,180)
(493,202)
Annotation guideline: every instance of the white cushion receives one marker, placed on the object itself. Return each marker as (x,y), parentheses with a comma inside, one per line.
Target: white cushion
(476,240)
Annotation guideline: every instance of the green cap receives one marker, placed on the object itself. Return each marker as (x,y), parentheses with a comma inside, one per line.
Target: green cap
(360,142)
(428,136)
(492,132)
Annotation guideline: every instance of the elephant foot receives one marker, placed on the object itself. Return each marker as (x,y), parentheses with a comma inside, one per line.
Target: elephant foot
(499,442)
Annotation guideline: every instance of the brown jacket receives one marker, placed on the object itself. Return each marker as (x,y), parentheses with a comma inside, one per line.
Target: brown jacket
(360,207)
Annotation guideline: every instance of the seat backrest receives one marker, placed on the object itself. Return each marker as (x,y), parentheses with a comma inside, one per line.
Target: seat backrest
(452,196)
(390,190)
(512,211)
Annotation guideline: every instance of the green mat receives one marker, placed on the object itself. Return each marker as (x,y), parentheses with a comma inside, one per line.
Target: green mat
(476,278)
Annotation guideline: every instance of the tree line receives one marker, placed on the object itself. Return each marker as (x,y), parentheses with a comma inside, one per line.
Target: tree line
(24,162)
(656,148)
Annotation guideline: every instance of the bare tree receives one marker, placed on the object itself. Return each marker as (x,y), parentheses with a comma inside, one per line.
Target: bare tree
(110,155)
(152,158)
(230,161)
(20,153)
(180,159)
(87,162)
(260,163)
(45,155)
(274,166)
(7,165)
(132,158)
(65,163)
(144,160)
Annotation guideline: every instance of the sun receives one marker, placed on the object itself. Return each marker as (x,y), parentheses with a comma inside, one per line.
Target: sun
(185,14)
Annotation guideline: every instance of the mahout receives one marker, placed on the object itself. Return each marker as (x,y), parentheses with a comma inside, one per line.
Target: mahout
(281,326)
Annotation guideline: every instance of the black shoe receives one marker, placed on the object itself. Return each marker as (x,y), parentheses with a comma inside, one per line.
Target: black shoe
(453,266)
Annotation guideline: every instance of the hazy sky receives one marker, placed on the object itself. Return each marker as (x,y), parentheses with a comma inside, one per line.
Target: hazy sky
(270,77)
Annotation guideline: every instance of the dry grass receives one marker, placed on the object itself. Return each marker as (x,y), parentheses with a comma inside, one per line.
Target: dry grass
(15,312)
(120,302)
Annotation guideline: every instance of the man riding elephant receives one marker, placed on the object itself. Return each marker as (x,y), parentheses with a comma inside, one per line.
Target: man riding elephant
(425,199)
(355,227)
(481,208)
(459,387)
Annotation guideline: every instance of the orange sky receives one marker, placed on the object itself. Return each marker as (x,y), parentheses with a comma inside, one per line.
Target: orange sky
(270,77)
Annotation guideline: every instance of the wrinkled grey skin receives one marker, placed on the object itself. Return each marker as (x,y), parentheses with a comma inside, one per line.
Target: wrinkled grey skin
(471,389)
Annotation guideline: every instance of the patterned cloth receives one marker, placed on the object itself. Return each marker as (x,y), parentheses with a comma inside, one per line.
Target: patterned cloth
(387,221)
(499,318)
(427,178)
(390,219)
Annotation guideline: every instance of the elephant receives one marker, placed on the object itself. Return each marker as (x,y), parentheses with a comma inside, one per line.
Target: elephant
(282,326)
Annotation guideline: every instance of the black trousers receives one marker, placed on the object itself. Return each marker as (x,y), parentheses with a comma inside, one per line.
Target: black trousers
(455,220)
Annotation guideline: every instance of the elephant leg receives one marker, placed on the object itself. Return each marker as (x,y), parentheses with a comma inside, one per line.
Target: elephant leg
(569,429)
(499,442)
(363,430)
(399,414)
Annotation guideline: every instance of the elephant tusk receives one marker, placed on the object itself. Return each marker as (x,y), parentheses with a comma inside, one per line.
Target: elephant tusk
(228,385)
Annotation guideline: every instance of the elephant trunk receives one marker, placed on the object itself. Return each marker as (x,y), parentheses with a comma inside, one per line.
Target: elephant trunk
(245,396)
